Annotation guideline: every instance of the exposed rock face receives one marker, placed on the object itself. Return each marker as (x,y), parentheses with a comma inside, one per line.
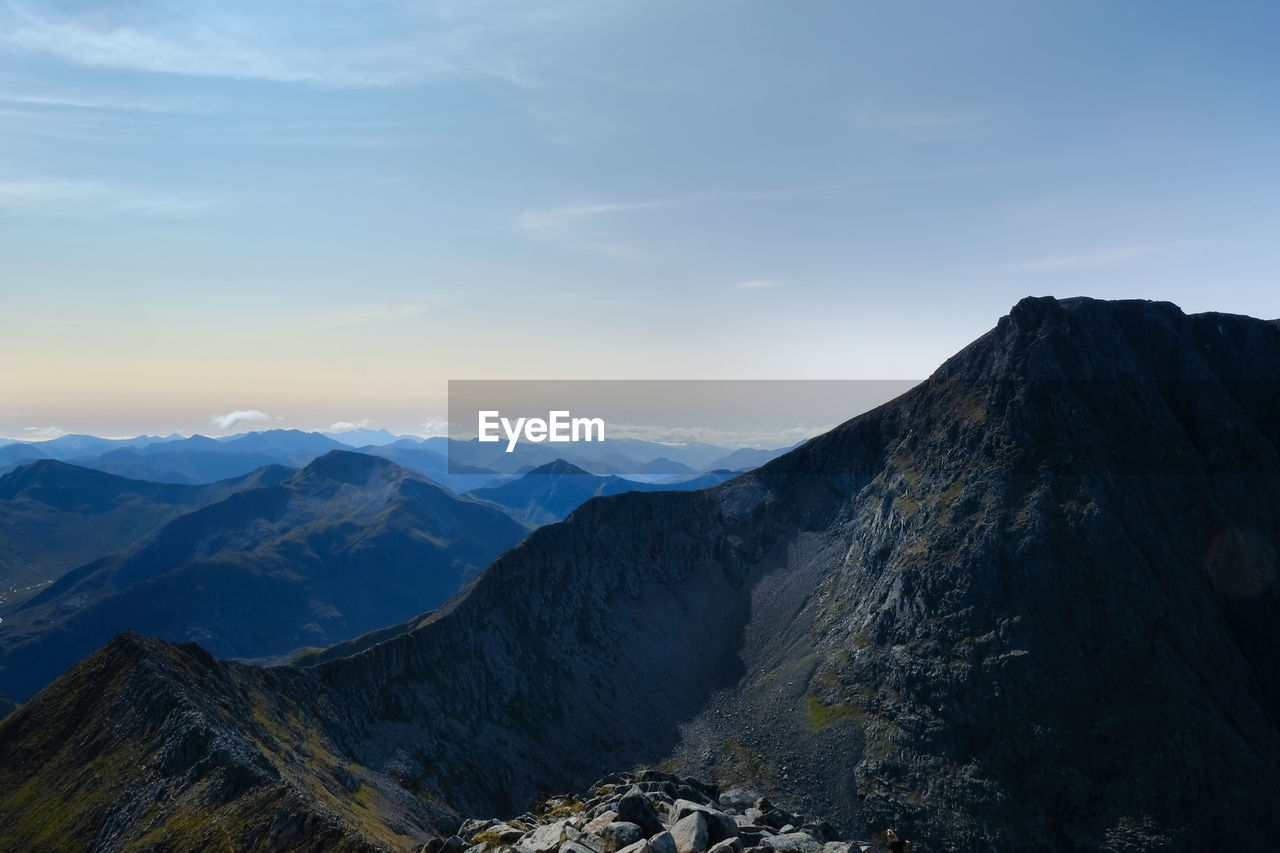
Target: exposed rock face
(1027,605)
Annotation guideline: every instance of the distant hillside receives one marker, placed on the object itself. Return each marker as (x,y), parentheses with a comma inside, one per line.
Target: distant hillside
(551,492)
(55,517)
(349,544)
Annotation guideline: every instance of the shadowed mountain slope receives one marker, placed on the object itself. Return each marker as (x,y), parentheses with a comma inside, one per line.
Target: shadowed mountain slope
(346,545)
(55,517)
(1030,604)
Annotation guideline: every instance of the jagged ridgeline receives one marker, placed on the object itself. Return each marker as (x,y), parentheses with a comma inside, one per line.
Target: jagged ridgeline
(1030,604)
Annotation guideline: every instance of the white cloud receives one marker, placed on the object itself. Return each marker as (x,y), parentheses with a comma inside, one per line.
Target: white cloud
(240,416)
(347,426)
(42,433)
(433,426)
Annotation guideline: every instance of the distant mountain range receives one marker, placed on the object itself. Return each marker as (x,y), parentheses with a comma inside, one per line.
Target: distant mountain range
(549,493)
(200,459)
(253,567)
(1028,605)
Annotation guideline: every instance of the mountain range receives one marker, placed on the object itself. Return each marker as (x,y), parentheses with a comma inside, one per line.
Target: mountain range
(548,494)
(254,567)
(1029,604)
(458,465)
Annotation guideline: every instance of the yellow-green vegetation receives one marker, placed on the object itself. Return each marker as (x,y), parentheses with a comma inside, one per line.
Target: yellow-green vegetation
(60,809)
(309,764)
(821,716)
(566,808)
(741,764)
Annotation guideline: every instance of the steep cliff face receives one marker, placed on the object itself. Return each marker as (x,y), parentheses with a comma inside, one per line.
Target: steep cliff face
(1028,604)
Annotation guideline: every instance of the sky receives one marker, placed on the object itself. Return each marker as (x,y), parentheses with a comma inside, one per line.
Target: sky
(218,215)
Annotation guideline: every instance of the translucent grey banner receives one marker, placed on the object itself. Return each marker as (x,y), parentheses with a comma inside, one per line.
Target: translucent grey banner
(646,429)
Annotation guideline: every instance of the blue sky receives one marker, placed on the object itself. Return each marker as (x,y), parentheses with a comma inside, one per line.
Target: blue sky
(323,211)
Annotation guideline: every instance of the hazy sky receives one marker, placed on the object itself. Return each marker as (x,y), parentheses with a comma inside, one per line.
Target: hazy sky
(321,211)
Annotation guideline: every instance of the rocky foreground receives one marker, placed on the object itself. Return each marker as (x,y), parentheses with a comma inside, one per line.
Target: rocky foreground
(650,812)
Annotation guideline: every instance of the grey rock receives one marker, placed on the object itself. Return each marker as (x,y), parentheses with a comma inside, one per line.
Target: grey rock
(720,826)
(600,821)
(608,806)
(821,831)
(469,828)
(690,833)
(622,833)
(505,833)
(793,842)
(729,845)
(544,839)
(737,799)
(635,808)
(580,846)
(640,846)
(454,844)
(663,843)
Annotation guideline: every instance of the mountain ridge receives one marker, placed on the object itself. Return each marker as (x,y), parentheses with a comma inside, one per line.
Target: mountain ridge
(1025,604)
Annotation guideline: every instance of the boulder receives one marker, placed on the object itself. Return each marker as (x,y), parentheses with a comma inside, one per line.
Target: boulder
(720,826)
(544,839)
(635,808)
(621,833)
(792,842)
(690,833)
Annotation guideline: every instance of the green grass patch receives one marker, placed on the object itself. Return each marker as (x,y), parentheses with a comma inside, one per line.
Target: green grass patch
(821,716)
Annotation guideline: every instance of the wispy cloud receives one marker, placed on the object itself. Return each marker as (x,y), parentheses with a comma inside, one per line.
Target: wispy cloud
(240,416)
(329,43)
(94,199)
(1105,257)
(106,103)
(596,226)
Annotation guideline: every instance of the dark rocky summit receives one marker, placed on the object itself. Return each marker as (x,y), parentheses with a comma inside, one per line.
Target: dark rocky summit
(1028,605)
